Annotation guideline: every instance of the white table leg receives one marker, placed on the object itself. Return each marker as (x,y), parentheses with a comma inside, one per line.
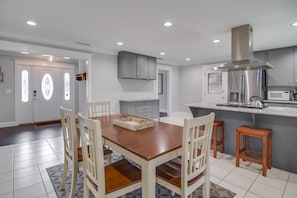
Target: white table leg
(148,173)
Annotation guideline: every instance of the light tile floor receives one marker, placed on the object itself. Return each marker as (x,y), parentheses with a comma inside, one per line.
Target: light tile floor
(23,171)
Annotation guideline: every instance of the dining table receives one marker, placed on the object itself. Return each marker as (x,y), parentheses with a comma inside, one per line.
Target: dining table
(149,147)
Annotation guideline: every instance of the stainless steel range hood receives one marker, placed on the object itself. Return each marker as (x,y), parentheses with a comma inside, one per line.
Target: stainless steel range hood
(242,51)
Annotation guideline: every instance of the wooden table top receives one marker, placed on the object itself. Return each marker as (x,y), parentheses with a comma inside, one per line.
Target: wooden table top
(147,143)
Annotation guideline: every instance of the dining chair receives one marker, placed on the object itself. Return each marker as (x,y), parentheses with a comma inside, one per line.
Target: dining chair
(183,175)
(98,109)
(72,153)
(112,180)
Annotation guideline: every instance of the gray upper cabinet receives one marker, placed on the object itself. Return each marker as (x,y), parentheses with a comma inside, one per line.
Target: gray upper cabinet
(142,67)
(152,68)
(283,72)
(136,66)
(127,65)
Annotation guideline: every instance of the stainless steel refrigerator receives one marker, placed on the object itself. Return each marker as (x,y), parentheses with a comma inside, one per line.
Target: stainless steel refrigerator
(243,84)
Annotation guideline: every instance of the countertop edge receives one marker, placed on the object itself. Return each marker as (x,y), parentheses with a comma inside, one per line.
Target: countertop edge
(275,111)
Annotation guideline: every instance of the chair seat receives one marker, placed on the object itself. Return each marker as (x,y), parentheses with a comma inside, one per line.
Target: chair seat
(106,151)
(120,174)
(171,172)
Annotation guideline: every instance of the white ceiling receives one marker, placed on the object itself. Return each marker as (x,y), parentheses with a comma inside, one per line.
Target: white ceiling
(139,25)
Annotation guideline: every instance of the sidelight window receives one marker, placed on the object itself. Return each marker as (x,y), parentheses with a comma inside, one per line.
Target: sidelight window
(25,85)
(67,86)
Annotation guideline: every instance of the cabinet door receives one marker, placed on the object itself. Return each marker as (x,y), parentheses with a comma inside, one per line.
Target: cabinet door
(142,67)
(283,73)
(127,107)
(152,68)
(127,65)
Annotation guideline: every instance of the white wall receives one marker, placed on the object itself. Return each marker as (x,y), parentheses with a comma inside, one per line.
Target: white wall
(191,85)
(175,89)
(7,94)
(105,85)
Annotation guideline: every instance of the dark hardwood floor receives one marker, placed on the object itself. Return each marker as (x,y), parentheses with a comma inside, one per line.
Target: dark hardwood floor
(28,133)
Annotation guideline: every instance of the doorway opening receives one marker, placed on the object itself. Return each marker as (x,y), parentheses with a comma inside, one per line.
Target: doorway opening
(163,92)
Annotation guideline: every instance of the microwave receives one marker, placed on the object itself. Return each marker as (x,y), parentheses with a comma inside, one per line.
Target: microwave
(278,95)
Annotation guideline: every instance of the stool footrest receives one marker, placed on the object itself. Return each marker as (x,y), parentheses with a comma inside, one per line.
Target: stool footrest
(253,153)
(218,143)
(251,159)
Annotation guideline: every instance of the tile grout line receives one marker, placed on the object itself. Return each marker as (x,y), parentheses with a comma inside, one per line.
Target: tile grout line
(43,182)
(248,190)
(286,185)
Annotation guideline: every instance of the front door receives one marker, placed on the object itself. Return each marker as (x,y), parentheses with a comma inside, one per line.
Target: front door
(42,91)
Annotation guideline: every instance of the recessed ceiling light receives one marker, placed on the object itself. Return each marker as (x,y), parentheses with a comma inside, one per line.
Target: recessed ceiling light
(294,24)
(24,52)
(66,57)
(162,53)
(31,23)
(188,59)
(120,43)
(216,41)
(167,24)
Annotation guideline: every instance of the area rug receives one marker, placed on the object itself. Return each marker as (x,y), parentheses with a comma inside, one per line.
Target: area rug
(56,173)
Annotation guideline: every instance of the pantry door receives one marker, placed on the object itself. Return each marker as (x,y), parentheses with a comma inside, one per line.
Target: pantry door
(47,89)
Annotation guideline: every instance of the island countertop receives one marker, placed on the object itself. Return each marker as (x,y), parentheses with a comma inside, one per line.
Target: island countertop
(281,120)
(271,110)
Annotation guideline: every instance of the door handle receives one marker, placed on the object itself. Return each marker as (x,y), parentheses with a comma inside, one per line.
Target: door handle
(34,95)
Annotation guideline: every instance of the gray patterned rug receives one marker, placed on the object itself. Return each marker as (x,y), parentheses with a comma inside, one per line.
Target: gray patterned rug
(56,173)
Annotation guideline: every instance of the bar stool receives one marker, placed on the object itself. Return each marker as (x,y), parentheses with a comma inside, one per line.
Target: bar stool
(266,135)
(215,142)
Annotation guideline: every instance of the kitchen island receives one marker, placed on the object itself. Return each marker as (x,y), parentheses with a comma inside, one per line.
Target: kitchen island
(282,121)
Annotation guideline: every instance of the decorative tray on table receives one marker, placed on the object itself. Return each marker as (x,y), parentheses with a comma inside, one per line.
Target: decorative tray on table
(132,123)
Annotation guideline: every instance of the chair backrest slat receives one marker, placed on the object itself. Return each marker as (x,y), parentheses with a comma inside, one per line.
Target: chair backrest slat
(98,109)
(69,133)
(197,134)
(92,146)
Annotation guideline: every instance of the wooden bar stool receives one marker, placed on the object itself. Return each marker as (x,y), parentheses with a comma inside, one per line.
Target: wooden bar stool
(215,142)
(266,135)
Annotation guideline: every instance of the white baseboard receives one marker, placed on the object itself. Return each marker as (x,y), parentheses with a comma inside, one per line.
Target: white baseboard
(8,124)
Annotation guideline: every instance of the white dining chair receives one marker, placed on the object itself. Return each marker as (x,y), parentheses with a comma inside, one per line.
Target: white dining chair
(72,153)
(98,109)
(112,180)
(183,175)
